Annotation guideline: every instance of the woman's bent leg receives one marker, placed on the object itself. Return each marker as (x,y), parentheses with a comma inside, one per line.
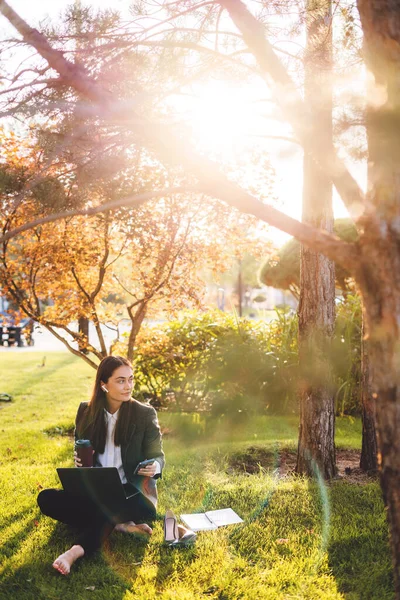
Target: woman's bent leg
(63,507)
(132,516)
(137,509)
(93,526)
(92,537)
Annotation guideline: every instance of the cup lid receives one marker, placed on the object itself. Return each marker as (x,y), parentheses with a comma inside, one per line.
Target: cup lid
(83,443)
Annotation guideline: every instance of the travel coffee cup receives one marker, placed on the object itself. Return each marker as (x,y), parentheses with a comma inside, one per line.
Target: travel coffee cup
(84,451)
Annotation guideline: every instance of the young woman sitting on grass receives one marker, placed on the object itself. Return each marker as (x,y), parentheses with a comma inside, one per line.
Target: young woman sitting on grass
(123,432)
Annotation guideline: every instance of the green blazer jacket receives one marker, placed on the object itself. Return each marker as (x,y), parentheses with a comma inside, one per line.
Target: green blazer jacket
(145,442)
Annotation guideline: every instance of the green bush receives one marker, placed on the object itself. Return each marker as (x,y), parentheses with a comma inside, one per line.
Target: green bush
(348,355)
(169,361)
(217,362)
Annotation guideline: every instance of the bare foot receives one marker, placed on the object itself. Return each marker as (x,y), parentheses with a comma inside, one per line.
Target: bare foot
(65,561)
(131,527)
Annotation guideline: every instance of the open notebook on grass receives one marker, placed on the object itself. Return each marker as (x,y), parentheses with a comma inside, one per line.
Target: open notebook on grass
(211,519)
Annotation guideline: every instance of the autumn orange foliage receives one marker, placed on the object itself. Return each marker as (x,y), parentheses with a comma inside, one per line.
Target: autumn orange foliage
(129,264)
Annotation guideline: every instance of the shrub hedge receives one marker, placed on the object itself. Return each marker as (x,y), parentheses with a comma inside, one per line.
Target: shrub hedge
(216,362)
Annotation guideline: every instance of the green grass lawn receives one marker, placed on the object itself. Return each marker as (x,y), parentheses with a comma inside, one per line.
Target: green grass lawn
(300,539)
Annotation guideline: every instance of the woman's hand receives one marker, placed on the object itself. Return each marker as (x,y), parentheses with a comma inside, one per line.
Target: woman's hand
(148,471)
(77,460)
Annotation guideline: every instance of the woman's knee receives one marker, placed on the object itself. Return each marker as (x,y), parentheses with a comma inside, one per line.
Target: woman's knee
(46,500)
(148,510)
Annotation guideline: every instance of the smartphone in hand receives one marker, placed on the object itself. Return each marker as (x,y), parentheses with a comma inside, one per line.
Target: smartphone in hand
(143,464)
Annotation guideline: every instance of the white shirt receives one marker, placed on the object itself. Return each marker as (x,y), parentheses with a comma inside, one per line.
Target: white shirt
(111,457)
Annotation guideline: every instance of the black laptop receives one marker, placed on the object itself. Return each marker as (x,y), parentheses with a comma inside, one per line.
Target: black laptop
(101,484)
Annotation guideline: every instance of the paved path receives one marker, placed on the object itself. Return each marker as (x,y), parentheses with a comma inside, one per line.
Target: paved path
(45,341)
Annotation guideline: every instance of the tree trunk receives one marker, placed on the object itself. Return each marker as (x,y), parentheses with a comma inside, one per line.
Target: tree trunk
(137,319)
(382,305)
(379,274)
(316,448)
(369,459)
(379,281)
(83,328)
(240,289)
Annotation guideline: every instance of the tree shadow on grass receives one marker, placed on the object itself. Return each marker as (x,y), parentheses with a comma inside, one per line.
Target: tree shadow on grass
(36,579)
(354,535)
(168,564)
(33,581)
(36,377)
(17,539)
(357,574)
(358,547)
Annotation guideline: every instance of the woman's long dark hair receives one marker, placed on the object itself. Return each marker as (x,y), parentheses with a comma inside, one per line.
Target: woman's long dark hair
(93,425)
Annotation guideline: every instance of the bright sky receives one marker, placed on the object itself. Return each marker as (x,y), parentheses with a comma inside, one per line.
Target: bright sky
(216,122)
(40,9)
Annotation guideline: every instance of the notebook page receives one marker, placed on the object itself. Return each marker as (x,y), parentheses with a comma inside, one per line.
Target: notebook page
(224,516)
(198,522)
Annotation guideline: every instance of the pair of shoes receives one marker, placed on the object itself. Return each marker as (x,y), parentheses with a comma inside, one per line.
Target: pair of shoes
(171,531)
(172,537)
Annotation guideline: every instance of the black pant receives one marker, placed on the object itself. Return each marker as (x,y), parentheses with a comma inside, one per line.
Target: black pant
(94,522)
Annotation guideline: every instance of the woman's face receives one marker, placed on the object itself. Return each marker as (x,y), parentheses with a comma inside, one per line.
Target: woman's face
(119,385)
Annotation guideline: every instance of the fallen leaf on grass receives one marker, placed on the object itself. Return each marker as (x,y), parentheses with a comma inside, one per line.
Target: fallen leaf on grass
(90,587)
(282,541)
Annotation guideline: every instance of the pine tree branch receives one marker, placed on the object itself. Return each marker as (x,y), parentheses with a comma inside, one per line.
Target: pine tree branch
(170,148)
(293,105)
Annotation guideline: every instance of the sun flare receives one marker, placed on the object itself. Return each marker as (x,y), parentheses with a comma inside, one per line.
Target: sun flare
(232,125)
(222,118)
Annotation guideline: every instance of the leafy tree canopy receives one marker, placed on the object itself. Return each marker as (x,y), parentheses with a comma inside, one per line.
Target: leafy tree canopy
(282,271)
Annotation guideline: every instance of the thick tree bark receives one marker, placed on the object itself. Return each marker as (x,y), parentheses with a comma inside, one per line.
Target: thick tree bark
(382,305)
(368,459)
(316,448)
(379,274)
